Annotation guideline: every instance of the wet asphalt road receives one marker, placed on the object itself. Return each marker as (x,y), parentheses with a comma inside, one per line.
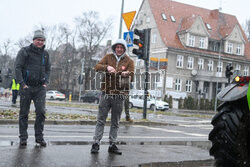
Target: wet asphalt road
(69,145)
(184,144)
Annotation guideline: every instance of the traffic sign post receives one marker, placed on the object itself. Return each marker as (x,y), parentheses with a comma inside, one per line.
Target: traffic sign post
(129,38)
(128,18)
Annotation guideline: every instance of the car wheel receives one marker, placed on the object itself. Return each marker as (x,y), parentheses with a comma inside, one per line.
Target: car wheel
(51,98)
(130,105)
(152,107)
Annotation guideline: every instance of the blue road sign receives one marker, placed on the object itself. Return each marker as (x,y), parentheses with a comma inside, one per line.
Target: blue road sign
(129,37)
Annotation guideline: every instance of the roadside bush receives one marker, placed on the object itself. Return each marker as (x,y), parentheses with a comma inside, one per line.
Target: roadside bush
(169,100)
(189,103)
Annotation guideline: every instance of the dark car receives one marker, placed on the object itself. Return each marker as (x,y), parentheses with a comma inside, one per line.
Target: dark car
(91,97)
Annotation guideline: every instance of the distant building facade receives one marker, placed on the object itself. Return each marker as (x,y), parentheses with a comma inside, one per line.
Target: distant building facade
(198,43)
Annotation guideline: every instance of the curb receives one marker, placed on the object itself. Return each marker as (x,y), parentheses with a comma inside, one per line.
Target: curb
(86,122)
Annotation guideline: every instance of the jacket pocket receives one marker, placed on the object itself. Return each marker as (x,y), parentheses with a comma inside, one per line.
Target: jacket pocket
(32,77)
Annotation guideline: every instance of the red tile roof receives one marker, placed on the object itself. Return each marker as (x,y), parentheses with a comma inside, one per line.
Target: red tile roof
(185,15)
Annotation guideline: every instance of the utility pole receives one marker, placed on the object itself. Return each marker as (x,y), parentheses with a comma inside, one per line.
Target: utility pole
(120,30)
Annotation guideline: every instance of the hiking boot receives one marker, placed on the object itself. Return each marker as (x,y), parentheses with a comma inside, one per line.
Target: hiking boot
(41,142)
(95,148)
(23,142)
(129,119)
(113,149)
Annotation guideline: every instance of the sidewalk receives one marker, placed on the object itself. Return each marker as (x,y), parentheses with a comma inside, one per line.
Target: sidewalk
(79,156)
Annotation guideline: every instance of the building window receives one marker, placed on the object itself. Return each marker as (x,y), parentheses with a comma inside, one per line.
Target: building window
(201,64)
(188,86)
(219,66)
(190,63)
(229,48)
(237,67)
(172,19)
(191,40)
(154,37)
(210,65)
(245,72)
(208,26)
(238,50)
(164,17)
(179,62)
(202,43)
(214,47)
(178,85)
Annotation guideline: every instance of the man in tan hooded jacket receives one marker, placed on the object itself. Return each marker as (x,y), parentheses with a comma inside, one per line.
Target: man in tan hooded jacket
(119,72)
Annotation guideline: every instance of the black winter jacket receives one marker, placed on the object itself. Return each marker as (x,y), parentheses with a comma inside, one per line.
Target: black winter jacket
(32,66)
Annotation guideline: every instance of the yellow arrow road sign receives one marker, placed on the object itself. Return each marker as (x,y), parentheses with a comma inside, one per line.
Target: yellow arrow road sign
(128,18)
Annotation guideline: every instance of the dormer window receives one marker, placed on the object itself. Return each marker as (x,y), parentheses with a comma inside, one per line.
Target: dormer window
(164,17)
(208,26)
(172,19)
(202,43)
(191,40)
(239,50)
(230,48)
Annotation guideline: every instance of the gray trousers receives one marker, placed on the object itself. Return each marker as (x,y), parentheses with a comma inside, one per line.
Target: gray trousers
(37,94)
(115,104)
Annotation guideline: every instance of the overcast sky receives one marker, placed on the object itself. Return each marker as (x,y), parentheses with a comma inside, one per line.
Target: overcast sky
(19,17)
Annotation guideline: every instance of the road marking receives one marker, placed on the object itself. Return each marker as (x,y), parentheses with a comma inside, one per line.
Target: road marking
(173,131)
(119,137)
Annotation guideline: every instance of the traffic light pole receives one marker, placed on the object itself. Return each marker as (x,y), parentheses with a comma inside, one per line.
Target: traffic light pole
(147,44)
(143,53)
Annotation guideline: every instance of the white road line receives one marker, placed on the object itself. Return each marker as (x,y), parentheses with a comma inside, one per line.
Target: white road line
(119,137)
(195,125)
(173,131)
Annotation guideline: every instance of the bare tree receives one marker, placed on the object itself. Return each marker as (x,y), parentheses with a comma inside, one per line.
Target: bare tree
(91,32)
(6,62)
(246,28)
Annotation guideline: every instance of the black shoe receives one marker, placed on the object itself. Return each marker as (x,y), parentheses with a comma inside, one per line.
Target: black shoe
(95,148)
(23,142)
(113,149)
(41,142)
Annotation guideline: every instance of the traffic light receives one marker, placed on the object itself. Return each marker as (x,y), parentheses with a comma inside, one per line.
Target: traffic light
(229,72)
(143,42)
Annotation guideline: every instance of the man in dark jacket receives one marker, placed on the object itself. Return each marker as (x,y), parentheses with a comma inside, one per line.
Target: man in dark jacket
(119,72)
(32,73)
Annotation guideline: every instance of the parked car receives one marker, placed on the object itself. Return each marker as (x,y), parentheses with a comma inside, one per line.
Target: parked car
(92,97)
(55,95)
(151,103)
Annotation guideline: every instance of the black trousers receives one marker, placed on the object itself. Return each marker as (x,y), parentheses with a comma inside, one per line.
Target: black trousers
(37,94)
(14,96)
